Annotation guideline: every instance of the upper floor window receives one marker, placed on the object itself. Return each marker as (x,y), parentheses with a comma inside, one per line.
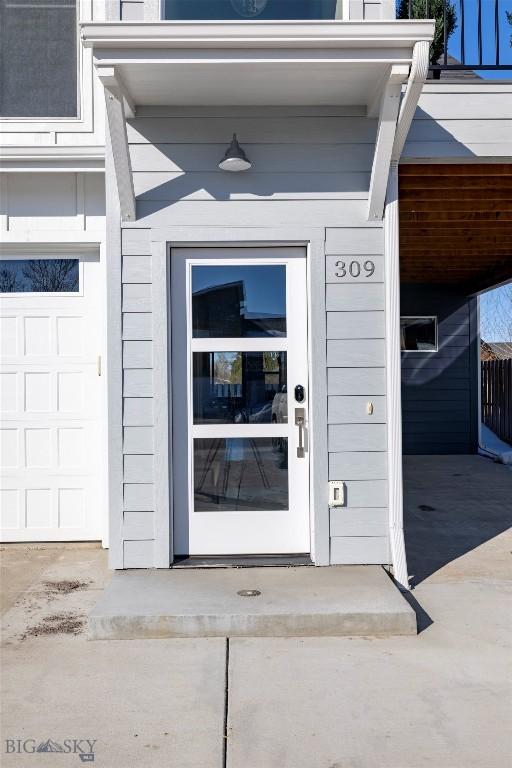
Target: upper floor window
(247,10)
(38,58)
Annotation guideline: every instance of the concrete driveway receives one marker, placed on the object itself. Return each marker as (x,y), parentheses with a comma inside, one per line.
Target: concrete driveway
(441,699)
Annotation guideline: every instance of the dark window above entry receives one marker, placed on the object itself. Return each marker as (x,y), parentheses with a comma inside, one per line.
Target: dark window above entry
(38,58)
(247,10)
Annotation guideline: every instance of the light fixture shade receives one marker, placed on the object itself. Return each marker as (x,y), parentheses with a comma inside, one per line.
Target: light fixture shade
(235,158)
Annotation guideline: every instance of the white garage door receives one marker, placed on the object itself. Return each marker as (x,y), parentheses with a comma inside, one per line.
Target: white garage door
(50,386)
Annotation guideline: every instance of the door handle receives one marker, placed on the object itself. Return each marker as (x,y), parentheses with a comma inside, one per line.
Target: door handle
(300,418)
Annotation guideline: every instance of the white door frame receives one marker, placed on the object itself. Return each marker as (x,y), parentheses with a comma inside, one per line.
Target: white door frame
(264,531)
(313,239)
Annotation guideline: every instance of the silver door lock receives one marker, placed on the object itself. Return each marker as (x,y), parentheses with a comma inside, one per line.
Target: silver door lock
(300,418)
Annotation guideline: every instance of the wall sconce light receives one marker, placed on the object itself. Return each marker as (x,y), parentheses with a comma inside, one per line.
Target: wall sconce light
(235,158)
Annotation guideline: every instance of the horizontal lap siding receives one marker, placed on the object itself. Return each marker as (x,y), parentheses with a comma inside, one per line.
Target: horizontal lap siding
(356,393)
(461,121)
(138,529)
(439,410)
(310,167)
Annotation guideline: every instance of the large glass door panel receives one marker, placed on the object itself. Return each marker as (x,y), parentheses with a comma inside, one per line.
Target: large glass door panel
(239,381)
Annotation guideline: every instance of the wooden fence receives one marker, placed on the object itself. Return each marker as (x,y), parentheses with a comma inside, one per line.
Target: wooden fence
(497,397)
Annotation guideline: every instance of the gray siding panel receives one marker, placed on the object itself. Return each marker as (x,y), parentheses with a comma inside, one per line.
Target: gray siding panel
(139,554)
(138,440)
(137,354)
(138,468)
(138,382)
(251,130)
(348,242)
(139,525)
(358,297)
(357,437)
(308,166)
(355,353)
(353,381)
(158,185)
(352,550)
(359,522)
(136,242)
(137,297)
(136,269)
(137,326)
(138,497)
(138,412)
(355,325)
(366,493)
(273,158)
(353,409)
(358,465)
(243,213)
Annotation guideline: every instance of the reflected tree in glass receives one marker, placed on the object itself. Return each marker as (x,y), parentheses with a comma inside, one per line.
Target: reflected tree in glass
(39,276)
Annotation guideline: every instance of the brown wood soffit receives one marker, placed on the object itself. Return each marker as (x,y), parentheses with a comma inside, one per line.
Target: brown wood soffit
(456,224)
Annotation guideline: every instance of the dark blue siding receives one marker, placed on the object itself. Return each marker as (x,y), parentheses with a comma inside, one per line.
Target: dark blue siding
(439,389)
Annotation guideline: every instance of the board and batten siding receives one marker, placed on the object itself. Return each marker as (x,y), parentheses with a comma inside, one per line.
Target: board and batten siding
(440,389)
(311,167)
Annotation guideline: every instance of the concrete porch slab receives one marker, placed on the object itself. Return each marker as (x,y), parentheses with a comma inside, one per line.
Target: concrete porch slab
(293,602)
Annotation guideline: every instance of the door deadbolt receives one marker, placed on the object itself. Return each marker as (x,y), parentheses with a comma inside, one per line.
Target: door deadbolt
(300,393)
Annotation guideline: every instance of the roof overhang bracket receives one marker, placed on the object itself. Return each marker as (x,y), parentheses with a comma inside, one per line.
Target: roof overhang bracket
(388,115)
(118,107)
(395,119)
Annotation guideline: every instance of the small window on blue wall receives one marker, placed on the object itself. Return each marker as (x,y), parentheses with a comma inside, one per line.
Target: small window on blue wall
(39,276)
(247,10)
(418,334)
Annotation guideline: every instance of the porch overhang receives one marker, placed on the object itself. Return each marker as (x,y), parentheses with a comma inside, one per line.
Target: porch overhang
(264,63)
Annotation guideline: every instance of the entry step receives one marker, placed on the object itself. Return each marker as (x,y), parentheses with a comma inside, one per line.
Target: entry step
(251,602)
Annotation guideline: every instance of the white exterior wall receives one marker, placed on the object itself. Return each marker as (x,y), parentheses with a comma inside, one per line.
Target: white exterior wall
(45,207)
(52,200)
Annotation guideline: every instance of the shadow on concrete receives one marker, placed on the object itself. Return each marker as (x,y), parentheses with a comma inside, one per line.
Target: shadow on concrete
(423,620)
(452,504)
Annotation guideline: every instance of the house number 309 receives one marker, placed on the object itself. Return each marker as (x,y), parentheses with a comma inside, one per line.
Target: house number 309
(354,268)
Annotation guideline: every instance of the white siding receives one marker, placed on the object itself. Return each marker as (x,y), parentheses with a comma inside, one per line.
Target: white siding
(35,203)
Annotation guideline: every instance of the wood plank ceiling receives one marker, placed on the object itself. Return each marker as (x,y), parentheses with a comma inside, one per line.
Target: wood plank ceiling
(456,225)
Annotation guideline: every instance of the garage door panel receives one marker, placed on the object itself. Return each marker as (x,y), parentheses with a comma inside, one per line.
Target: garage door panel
(50,401)
(52,447)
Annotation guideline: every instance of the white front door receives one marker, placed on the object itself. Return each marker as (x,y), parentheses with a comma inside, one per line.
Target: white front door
(50,462)
(240,466)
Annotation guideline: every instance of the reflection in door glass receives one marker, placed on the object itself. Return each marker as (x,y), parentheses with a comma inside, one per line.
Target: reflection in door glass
(239,387)
(232,474)
(239,301)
